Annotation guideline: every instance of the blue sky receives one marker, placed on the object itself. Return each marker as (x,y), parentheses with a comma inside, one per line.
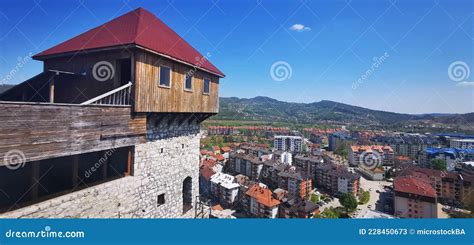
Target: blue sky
(328,47)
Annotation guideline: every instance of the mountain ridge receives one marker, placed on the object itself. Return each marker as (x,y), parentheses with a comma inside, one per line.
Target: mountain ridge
(266,108)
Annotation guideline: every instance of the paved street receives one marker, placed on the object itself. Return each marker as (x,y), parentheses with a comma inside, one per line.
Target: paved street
(372,187)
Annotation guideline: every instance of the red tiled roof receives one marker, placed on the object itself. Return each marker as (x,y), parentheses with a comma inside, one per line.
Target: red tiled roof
(262,195)
(206,168)
(414,186)
(225,149)
(138,27)
(216,148)
(220,157)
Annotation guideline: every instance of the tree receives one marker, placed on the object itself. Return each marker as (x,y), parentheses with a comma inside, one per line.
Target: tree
(314,198)
(348,201)
(439,164)
(364,197)
(328,213)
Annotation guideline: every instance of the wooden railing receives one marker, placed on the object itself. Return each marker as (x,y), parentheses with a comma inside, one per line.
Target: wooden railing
(118,96)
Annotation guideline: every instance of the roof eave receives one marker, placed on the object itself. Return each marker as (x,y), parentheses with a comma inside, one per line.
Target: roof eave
(49,56)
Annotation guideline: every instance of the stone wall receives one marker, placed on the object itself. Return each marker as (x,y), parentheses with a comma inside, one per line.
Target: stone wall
(160,167)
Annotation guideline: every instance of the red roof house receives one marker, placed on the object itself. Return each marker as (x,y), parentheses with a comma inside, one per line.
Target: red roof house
(138,28)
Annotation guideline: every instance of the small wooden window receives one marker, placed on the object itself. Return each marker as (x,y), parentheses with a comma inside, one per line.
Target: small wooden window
(207,86)
(188,82)
(160,200)
(165,76)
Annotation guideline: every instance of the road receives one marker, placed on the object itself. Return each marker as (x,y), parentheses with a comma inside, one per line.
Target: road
(372,187)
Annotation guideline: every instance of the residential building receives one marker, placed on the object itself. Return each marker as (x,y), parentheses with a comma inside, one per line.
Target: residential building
(372,174)
(247,130)
(453,188)
(370,156)
(461,143)
(337,179)
(298,208)
(414,198)
(340,139)
(296,182)
(452,156)
(207,169)
(307,163)
(259,202)
(255,150)
(246,164)
(225,152)
(225,189)
(288,143)
(410,145)
(100,123)
(466,167)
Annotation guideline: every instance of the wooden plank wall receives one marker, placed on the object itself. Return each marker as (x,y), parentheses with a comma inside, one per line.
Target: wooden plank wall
(150,97)
(76,90)
(44,131)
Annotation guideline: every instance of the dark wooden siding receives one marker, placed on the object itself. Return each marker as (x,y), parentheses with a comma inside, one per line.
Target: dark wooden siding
(84,86)
(150,97)
(44,131)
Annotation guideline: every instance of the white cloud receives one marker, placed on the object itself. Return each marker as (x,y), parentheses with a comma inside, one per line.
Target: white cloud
(465,84)
(299,28)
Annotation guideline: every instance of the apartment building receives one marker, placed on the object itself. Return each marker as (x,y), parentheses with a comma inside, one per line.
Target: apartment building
(340,138)
(259,202)
(307,164)
(337,179)
(246,164)
(414,198)
(288,143)
(410,145)
(255,149)
(452,156)
(370,156)
(461,143)
(296,182)
(453,188)
(298,208)
(224,189)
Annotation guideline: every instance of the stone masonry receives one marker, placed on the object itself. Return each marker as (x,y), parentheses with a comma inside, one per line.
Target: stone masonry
(160,167)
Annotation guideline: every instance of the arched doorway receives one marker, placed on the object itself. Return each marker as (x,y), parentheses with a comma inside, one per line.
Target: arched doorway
(187,194)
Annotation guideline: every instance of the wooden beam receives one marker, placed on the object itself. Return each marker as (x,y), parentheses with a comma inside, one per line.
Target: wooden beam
(51,91)
(129,162)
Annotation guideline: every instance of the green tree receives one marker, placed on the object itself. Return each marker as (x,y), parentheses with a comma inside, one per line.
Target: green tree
(314,198)
(328,213)
(364,197)
(348,201)
(439,164)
